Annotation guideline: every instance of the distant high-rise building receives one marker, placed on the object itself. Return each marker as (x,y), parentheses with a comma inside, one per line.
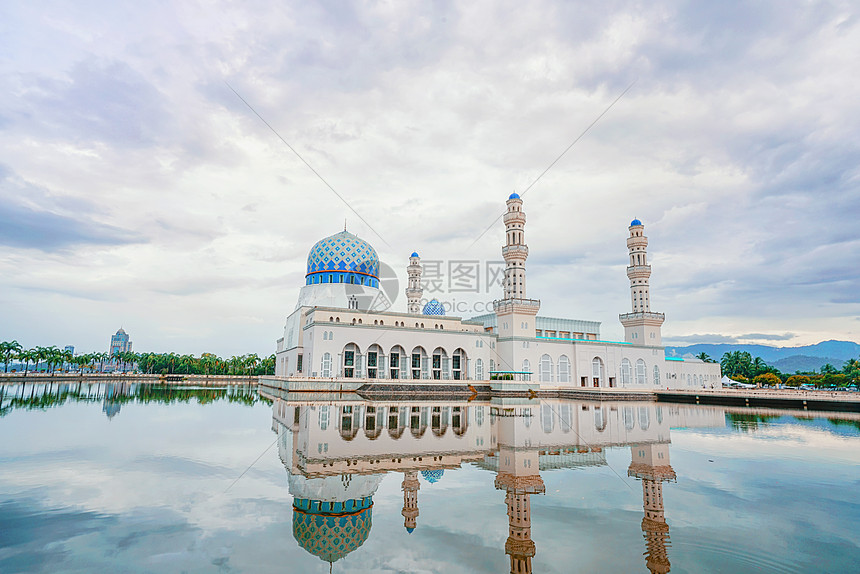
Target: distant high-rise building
(69,348)
(120,343)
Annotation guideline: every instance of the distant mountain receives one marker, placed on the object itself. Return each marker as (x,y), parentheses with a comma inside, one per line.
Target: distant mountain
(804,363)
(786,359)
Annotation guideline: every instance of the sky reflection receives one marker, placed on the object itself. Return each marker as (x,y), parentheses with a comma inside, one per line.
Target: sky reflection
(483,487)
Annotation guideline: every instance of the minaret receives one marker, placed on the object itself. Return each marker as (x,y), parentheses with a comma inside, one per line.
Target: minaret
(515,313)
(414,290)
(515,250)
(519,477)
(641,327)
(410,488)
(650,463)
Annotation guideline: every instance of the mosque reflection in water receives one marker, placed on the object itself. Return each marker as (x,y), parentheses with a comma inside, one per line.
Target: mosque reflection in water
(337,453)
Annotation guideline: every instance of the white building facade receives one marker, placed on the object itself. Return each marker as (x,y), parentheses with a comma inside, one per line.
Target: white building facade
(335,331)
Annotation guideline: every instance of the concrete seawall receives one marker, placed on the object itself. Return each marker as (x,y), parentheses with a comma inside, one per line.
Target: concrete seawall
(379,388)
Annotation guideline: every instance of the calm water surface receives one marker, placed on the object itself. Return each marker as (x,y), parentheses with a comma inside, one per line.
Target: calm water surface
(141,479)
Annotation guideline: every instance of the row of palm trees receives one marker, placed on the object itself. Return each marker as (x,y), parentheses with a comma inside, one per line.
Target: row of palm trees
(50,359)
(205,364)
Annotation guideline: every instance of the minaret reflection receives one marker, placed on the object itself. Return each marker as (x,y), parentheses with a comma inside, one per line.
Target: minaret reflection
(410,488)
(650,463)
(519,477)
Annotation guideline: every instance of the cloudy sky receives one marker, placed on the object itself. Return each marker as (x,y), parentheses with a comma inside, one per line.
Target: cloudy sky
(137,190)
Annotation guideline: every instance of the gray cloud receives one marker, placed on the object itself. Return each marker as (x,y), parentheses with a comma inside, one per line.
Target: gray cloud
(34,219)
(736,147)
(704,338)
(767,336)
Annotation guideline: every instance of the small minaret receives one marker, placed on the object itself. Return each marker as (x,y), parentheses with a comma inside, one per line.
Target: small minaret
(515,250)
(641,327)
(650,464)
(410,488)
(414,291)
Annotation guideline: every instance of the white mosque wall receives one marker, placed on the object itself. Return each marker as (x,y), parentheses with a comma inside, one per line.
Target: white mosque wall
(321,335)
(360,436)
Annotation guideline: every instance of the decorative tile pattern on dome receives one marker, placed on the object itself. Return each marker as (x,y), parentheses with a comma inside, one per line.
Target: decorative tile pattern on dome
(331,530)
(433,307)
(343,252)
(432,476)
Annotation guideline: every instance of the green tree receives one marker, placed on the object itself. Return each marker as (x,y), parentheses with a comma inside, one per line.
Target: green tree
(797,380)
(766,379)
(9,350)
(27,356)
(828,369)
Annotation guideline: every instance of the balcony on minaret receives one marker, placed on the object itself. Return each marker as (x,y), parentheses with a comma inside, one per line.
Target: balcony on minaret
(639,271)
(516,304)
(653,317)
(515,250)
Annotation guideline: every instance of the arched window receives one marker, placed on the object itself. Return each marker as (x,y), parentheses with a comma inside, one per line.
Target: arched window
(479,370)
(563,369)
(597,371)
(323,417)
(644,418)
(641,372)
(626,375)
(545,369)
(656,375)
(458,364)
(689,382)
(419,364)
(527,368)
(325,335)
(629,417)
(600,418)
(326,365)
(546,418)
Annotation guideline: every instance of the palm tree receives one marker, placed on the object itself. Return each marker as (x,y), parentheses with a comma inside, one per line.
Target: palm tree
(28,356)
(9,349)
(252,361)
(705,357)
(66,357)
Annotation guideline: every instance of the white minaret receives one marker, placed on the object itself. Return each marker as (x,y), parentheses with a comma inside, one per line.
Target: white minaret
(515,250)
(638,271)
(515,314)
(413,289)
(641,327)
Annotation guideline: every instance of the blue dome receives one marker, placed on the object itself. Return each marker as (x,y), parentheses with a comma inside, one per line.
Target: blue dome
(514,195)
(331,530)
(414,254)
(635,222)
(343,258)
(432,476)
(433,307)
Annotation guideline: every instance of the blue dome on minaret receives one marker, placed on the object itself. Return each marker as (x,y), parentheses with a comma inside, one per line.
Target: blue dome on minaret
(514,195)
(343,258)
(635,222)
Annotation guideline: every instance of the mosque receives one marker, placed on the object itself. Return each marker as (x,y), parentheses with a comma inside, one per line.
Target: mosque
(337,331)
